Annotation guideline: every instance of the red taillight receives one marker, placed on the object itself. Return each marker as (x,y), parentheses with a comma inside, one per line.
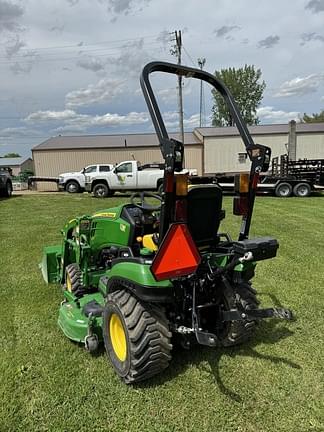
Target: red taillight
(241,205)
(177,256)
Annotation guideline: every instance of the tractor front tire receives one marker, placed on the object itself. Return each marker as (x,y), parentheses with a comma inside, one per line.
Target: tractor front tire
(136,337)
(73,280)
(233,296)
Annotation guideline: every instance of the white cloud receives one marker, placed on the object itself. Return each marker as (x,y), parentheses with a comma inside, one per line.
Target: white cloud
(171,94)
(131,60)
(40,116)
(108,119)
(268,114)
(171,120)
(300,86)
(20,131)
(76,121)
(91,63)
(104,90)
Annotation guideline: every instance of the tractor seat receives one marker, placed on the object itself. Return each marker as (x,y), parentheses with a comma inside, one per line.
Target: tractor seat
(150,241)
(205,213)
(204,216)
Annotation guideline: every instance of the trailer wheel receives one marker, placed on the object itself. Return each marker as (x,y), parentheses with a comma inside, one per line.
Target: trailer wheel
(283,190)
(72,186)
(136,337)
(302,190)
(100,190)
(236,332)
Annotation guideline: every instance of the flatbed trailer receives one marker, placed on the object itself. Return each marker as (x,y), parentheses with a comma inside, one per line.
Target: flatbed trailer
(286,178)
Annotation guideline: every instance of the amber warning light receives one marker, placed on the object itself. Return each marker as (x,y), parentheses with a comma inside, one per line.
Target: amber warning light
(177,256)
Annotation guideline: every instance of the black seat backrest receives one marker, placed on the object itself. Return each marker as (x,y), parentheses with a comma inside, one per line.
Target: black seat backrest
(204,213)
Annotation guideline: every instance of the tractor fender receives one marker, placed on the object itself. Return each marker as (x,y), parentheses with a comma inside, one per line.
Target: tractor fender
(139,280)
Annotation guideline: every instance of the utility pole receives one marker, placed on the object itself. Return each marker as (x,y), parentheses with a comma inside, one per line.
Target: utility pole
(201,64)
(177,52)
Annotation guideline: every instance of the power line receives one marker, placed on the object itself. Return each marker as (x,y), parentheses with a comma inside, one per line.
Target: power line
(189,56)
(22,60)
(80,45)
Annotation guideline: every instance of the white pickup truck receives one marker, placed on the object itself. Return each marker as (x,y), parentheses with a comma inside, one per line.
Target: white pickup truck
(74,182)
(127,176)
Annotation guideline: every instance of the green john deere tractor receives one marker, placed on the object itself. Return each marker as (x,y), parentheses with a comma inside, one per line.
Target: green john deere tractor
(136,275)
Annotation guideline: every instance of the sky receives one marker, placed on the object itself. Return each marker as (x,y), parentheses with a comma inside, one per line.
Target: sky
(72,67)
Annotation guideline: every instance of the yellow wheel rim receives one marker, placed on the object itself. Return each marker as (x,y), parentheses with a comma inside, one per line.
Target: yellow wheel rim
(68,283)
(118,337)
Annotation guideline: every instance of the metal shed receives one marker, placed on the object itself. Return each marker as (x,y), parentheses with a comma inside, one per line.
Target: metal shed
(17,164)
(72,153)
(224,152)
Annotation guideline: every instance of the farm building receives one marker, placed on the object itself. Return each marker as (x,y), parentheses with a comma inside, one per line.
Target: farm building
(72,153)
(17,164)
(224,151)
(209,149)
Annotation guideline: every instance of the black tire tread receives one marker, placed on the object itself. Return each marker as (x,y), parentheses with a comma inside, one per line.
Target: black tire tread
(72,182)
(75,275)
(148,336)
(242,295)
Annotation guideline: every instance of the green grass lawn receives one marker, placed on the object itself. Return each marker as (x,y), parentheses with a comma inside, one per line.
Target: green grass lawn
(273,383)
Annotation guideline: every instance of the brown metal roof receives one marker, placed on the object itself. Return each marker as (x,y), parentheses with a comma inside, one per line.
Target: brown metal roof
(261,129)
(109,141)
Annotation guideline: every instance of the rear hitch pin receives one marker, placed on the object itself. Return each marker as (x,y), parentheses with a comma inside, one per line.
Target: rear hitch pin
(248,256)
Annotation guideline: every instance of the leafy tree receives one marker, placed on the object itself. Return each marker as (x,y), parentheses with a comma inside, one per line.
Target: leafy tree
(11,155)
(247,90)
(314,118)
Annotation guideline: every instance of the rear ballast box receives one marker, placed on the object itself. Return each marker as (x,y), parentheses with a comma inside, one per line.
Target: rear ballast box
(262,248)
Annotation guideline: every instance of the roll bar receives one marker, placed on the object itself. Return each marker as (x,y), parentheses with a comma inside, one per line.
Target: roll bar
(172,150)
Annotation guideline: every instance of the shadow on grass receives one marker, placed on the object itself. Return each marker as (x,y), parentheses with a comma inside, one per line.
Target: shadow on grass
(3,198)
(268,332)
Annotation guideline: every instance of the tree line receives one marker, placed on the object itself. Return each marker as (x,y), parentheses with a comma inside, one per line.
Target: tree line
(247,87)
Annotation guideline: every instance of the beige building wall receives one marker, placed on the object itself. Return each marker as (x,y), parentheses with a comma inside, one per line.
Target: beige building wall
(310,146)
(51,163)
(221,154)
(15,170)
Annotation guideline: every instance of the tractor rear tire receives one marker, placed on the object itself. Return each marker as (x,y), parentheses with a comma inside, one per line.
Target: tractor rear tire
(73,280)
(237,332)
(136,337)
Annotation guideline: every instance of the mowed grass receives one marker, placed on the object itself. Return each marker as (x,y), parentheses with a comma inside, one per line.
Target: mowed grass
(273,383)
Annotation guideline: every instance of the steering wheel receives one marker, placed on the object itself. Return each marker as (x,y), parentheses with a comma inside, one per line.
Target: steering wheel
(143,204)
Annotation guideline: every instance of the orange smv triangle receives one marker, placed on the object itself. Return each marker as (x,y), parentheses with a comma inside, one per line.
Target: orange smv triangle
(177,256)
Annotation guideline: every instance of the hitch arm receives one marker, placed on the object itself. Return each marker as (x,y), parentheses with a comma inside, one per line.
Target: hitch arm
(253,314)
